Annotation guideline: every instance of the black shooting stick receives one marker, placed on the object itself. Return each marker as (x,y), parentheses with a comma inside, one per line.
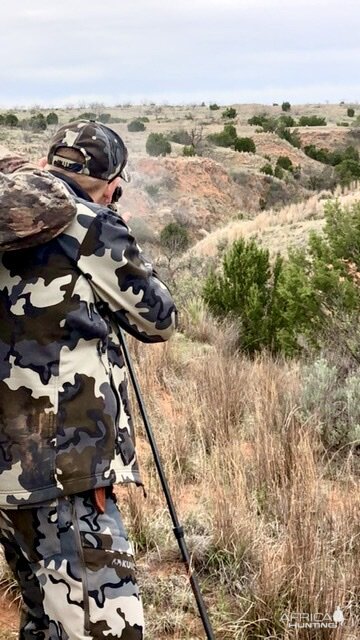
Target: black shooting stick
(177,528)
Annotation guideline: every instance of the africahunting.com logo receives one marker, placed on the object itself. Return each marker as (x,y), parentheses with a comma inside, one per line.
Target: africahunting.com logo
(319,620)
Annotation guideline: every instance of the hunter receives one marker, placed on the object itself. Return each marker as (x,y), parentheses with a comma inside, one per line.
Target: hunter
(66,432)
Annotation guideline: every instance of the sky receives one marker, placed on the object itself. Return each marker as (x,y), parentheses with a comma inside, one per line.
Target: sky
(75,52)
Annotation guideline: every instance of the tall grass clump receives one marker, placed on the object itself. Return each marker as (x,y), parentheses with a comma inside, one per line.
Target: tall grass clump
(276,533)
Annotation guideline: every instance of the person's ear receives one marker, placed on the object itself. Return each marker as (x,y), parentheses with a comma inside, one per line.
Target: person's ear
(43,162)
(110,188)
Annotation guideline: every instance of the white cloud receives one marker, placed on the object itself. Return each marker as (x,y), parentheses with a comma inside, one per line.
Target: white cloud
(194,47)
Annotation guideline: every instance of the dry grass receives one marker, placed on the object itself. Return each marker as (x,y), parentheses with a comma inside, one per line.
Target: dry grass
(277,230)
(269,530)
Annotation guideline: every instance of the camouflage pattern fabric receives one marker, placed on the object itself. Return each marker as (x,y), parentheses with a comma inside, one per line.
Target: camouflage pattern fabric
(34,206)
(104,152)
(75,568)
(65,421)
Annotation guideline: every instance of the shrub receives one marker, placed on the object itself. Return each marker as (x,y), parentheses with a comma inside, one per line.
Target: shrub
(116,120)
(87,115)
(312,121)
(277,125)
(105,118)
(246,290)
(267,169)
(290,305)
(333,398)
(11,120)
(214,107)
(291,136)
(273,125)
(245,144)
(319,154)
(189,151)
(52,118)
(230,113)
(2,119)
(347,171)
(286,106)
(334,158)
(136,125)
(258,121)
(37,122)
(157,145)
(286,121)
(152,189)
(181,136)
(351,153)
(226,138)
(174,238)
(319,285)
(350,112)
(285,163)
(278,172)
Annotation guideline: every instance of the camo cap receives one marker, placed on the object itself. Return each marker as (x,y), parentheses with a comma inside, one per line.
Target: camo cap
(105,154)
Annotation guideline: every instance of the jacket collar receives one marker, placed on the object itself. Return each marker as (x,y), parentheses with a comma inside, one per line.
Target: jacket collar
(78,191)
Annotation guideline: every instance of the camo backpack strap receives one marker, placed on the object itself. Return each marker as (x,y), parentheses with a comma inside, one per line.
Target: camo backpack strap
(34,206)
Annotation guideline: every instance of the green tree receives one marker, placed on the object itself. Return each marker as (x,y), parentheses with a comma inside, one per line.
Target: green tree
(157,145)
(214,107)
(286,106)
(245,144)
(246,290)
(52,118)
(350,112)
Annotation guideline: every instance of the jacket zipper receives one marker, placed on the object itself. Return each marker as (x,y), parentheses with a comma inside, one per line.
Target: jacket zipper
(84,579)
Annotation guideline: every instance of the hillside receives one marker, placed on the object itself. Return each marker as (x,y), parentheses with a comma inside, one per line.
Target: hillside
(276,230)
(218,185)
(270,512)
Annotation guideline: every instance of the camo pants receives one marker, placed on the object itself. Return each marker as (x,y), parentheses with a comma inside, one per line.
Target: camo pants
(75,568)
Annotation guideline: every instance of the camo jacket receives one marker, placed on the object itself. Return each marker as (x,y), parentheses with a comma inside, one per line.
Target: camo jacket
(65,421)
